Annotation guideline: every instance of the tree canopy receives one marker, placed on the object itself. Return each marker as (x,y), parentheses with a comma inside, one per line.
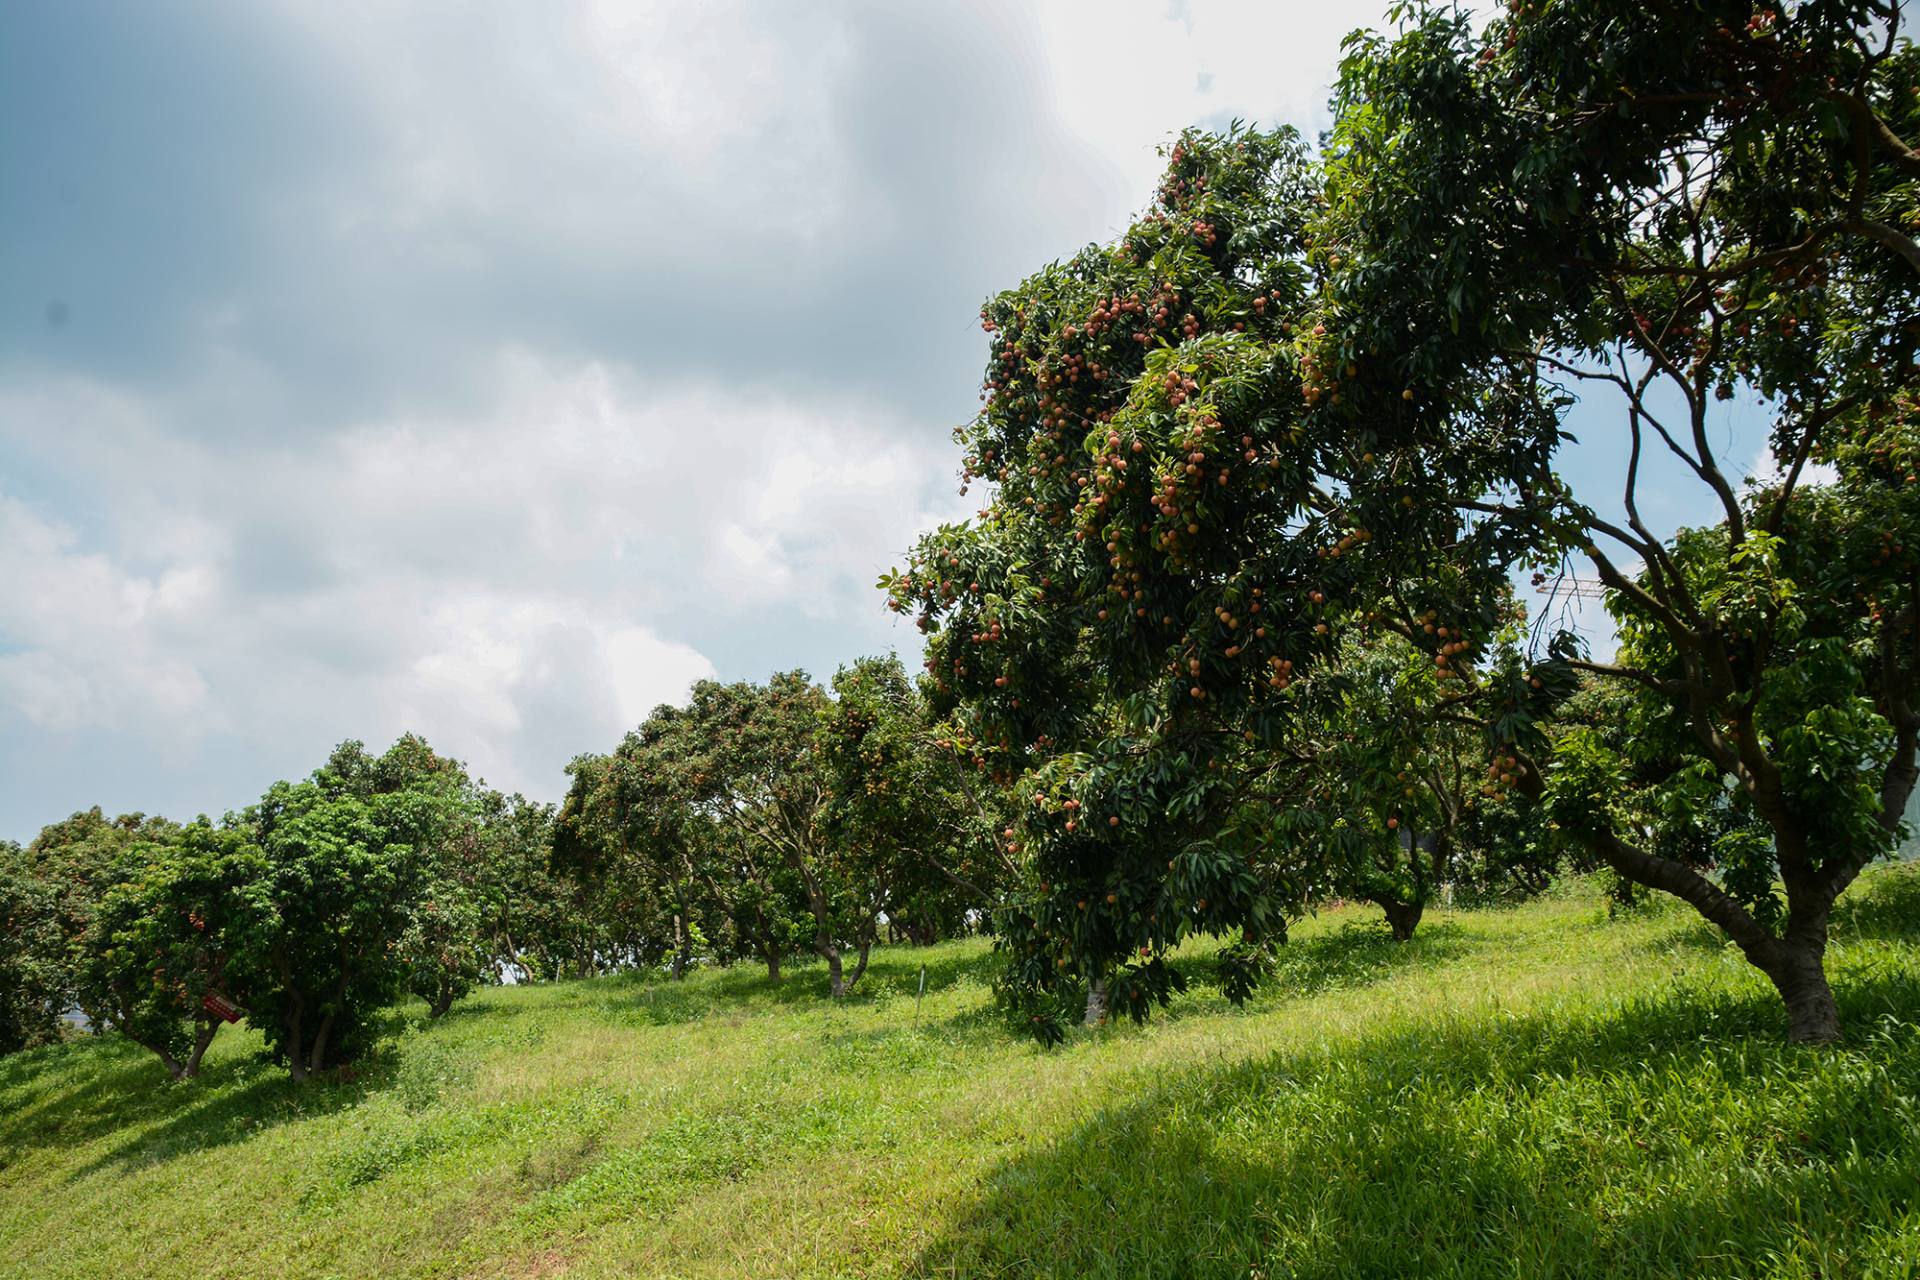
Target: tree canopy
(1306,403)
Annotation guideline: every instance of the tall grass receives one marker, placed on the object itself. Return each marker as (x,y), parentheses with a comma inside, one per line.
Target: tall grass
(1540,1091)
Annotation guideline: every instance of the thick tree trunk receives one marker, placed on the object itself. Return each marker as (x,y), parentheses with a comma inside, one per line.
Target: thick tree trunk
(1800,975)
(1795,962)
(836,984)
(1096,1003)
(1402,917)
(773,964)
(441,1003)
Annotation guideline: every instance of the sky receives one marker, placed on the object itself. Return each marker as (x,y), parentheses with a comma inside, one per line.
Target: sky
(494,372)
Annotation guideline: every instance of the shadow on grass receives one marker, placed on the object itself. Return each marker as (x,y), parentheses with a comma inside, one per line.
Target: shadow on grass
(1361,953)
(99,1087)
(1357,955)
(659,1001)
(75,1093)
(232,1104)
(1666,1136)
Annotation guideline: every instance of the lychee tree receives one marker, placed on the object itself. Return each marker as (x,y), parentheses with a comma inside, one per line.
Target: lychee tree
(31,987)
(1662,209)
(744,762)
(442,947)
(163,938)
(899,803)
(346,857)
(121,927)
(529,914)
(629,895)
(1171,545)
(787,817)
(1388,784)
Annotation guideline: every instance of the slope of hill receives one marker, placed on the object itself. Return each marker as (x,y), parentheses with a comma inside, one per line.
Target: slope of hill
(1531,1092)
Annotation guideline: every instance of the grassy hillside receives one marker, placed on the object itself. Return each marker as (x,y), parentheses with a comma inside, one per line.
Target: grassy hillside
(1526,1093)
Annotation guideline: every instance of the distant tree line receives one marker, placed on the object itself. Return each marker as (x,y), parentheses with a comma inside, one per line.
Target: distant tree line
(757,822)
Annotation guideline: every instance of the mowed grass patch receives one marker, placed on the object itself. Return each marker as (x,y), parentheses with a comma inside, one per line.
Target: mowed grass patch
(1534,1091)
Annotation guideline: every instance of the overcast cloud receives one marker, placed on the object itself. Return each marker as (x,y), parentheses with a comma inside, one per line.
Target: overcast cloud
(496,371)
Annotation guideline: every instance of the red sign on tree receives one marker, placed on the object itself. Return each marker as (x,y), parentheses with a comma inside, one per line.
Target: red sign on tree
(220,1007)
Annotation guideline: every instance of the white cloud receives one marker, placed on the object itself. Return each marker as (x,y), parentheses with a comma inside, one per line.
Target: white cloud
(84,631)
(518,586)
(648,671)
(573,353)
(589,124)
(494,658)
(1130,73)
(1765,471)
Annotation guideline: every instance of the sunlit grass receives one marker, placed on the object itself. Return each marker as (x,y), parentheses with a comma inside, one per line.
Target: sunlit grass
(1538,1091)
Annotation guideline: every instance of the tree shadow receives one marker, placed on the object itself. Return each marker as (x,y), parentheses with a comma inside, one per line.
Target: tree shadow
(892,972)
(1676,1135)
(79,1091)
(1357,955)
(898,967)
(233,1103)
(102,1087)
(1361,953)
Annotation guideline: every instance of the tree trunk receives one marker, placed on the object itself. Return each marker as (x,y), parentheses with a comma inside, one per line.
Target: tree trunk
(1529,883)
(318,1062)
(203,1036)
(773,964)
(1402,917)
(682,946)
(1438,847)
(1096,1003)
(1799,974)
(172,1064)
(296,1062)
(836,985)
(441,1002)
(823,941)
(860,966)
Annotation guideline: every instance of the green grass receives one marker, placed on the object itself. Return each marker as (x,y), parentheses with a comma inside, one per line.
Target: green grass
(1524,1093)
